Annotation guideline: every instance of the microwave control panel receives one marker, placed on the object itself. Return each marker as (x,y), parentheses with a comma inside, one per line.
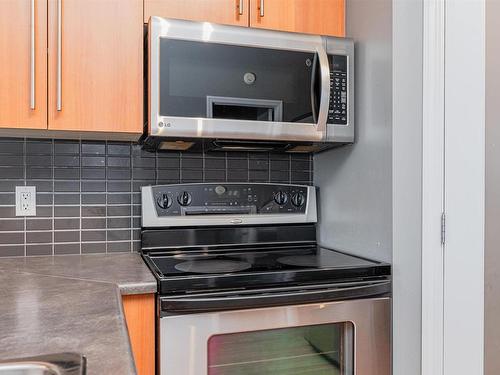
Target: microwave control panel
(338,108)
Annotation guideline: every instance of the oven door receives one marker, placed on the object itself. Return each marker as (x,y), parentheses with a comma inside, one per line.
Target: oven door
(335,338)
(225,82)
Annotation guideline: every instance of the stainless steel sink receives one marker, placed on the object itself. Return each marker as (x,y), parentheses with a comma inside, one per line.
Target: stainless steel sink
(28,368)
(51,364)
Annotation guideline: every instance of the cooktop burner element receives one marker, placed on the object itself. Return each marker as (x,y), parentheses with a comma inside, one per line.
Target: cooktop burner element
(300,260)
(212,266)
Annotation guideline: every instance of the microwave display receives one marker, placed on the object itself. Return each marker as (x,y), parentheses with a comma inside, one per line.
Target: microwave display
(212,80)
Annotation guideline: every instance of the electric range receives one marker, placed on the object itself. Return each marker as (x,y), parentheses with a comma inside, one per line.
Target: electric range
(240,238)
(239,268)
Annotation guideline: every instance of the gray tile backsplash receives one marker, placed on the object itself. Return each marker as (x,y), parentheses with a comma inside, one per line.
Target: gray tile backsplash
(88,193)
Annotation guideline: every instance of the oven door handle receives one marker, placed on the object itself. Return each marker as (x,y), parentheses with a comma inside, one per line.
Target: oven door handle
(200,303)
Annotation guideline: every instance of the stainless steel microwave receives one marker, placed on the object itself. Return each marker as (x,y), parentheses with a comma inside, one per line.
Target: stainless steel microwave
(236,88)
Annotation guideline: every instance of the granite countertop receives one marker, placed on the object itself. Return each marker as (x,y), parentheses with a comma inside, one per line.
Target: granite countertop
(66,303)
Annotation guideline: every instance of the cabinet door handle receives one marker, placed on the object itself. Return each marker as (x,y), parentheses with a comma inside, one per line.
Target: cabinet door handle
(32,55)
(262,8)
(240,8)
(59,56)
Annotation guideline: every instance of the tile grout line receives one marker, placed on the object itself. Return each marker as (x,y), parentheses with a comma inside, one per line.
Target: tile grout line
(106,149)
(80,206)
(25,183)
(180,167)
(248,167)
(53,146)
(132,193)
(203,174)
(269,167)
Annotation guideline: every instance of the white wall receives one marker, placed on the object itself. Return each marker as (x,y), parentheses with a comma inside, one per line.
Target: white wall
(407,186)
(492,214)
(371,192)
(355,189)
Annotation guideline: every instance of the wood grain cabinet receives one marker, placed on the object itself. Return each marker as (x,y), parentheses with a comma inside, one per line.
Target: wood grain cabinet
(23,64)
(95,66)
(140,316)
(324,17)
(228,12)
(72,65)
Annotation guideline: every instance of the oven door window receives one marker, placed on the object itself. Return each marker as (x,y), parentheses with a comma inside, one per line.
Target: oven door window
(211,80)
(325,349)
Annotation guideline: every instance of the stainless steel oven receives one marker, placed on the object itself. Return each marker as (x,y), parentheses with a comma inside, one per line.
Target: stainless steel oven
(244,288)
(333,338)
(234,88)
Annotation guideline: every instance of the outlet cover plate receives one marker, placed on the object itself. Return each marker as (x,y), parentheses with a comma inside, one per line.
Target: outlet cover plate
(25,200)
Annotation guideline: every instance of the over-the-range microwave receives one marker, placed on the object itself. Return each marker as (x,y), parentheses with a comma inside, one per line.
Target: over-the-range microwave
(235,88)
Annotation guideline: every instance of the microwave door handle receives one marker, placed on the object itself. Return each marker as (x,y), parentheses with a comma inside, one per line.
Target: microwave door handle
(206,304)
(325,90)
(313,91)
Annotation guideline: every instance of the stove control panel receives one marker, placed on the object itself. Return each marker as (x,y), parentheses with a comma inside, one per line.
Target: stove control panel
(229,199)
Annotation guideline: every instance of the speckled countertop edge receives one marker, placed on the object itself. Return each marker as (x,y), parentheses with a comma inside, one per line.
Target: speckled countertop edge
(126,270)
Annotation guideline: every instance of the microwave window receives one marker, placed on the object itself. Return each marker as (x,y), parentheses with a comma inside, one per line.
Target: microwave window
(240,112)
(248,83)
(326,349)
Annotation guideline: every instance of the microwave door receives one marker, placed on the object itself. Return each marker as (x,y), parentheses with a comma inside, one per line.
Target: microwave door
(212,80)
(250,90)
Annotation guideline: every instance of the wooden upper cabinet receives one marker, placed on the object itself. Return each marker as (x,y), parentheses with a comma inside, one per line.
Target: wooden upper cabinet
(23,64)
(95,67)
(229,12)
(324,17)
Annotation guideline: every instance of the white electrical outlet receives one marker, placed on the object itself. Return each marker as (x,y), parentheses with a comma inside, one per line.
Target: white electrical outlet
(25,200)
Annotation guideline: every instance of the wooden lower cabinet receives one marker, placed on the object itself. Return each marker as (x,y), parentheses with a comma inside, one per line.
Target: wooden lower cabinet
(140,314)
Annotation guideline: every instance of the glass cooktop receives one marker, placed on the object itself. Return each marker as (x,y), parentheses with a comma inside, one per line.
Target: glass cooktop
(198,269)
(256,261)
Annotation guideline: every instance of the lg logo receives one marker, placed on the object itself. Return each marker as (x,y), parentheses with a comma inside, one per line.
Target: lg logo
(166,125)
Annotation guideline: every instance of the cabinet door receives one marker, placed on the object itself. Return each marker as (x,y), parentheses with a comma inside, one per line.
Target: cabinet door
(23,64)
(229,12)
(96,65)
(140,315)
(325,17)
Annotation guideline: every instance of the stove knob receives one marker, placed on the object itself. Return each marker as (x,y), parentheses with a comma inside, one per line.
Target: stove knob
(164,201)
(298,199)
(220,190)
(280,197)
(184,198)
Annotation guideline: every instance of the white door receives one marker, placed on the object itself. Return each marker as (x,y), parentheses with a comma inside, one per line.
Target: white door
(464,187)
(453,182)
